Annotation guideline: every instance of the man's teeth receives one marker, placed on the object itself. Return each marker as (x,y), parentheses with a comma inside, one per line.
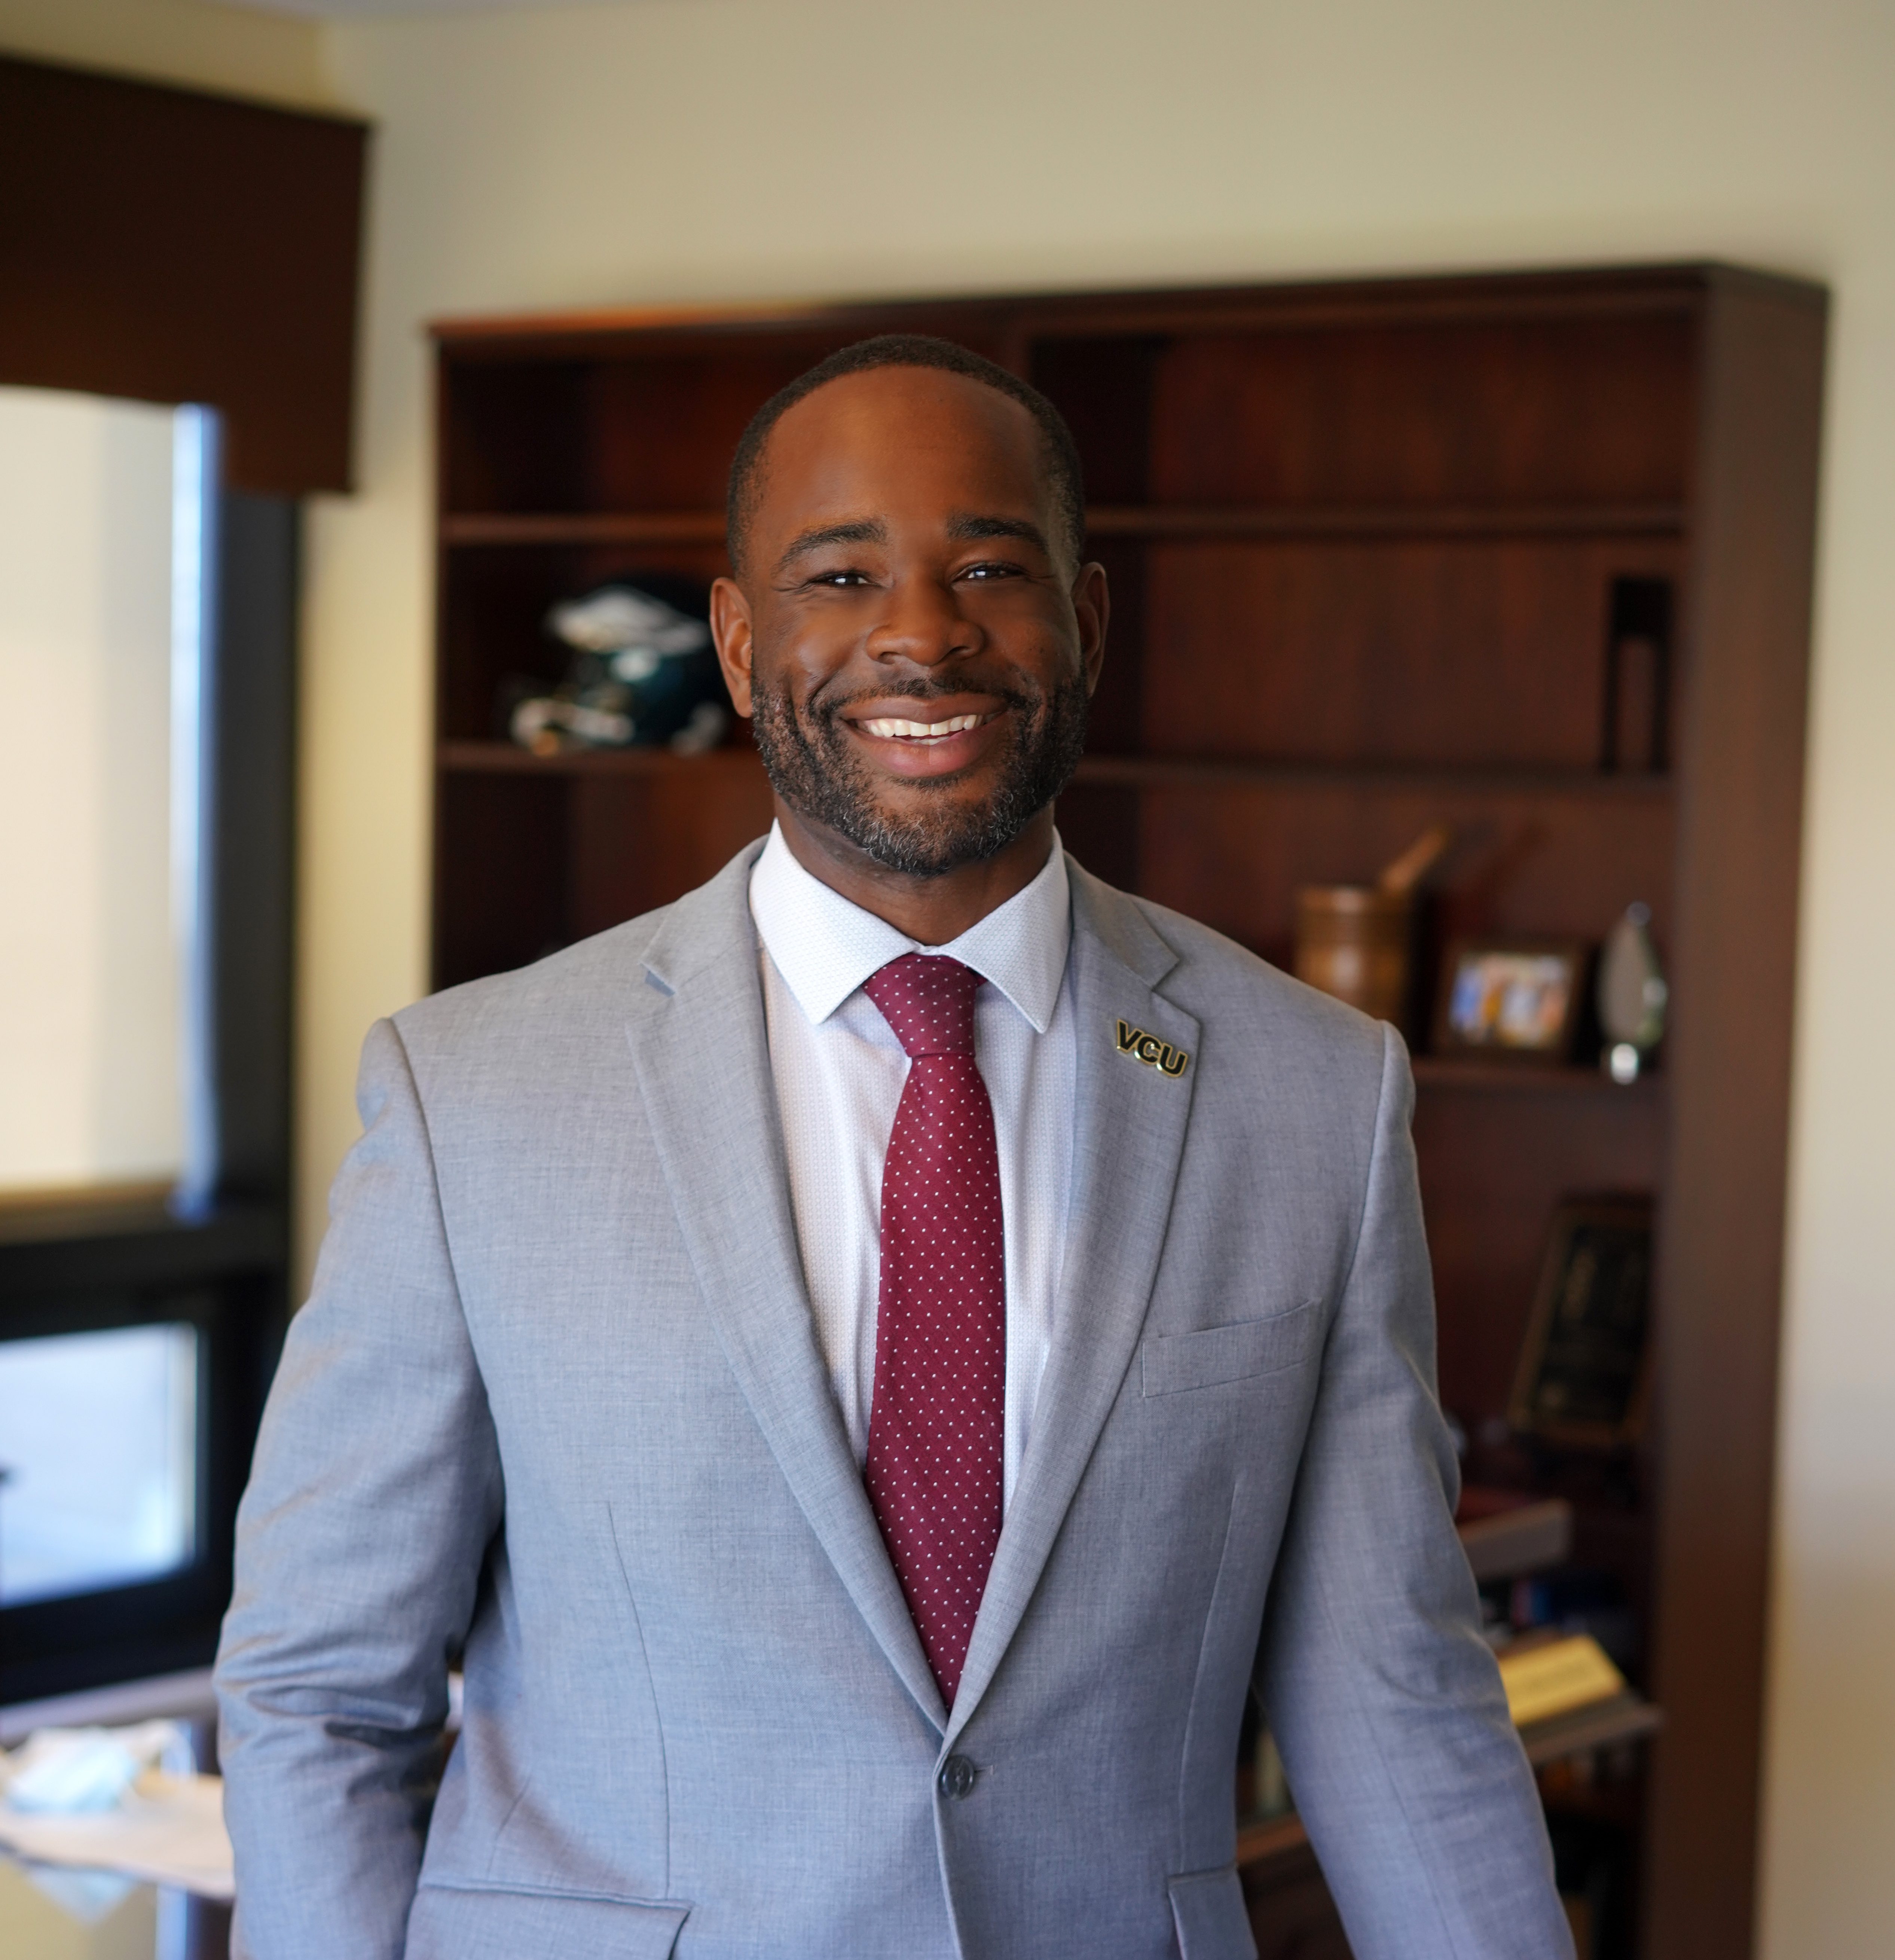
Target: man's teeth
(892,725)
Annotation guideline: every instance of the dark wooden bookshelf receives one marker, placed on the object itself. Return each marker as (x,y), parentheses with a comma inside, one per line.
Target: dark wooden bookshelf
(1363,541)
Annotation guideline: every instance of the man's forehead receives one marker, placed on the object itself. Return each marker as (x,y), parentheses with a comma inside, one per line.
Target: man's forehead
(900,421)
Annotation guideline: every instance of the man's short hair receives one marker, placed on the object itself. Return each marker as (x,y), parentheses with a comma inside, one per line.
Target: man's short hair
(1059,454)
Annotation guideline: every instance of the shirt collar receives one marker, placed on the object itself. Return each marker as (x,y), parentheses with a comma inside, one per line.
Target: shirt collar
(824,946)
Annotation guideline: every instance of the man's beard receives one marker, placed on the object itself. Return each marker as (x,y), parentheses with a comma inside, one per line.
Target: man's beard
(812,768)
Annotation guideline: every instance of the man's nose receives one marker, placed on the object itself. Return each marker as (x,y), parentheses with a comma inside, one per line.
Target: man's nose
(923,623)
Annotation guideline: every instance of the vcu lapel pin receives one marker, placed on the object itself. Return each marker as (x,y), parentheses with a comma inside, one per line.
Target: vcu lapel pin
(1152,1051)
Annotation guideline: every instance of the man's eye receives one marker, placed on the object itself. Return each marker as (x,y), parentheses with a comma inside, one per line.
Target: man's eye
(992,568)
(840,578)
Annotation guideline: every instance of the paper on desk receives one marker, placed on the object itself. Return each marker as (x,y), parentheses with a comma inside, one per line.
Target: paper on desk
(169,1830)
(62,1772)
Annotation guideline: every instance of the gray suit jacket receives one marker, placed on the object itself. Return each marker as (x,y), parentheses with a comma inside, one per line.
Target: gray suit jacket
(556,1400)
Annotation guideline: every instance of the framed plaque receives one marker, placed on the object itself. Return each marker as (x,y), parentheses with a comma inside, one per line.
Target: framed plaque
(1585,1370)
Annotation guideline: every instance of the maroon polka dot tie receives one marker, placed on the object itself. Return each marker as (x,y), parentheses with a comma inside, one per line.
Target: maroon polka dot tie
(937,1424)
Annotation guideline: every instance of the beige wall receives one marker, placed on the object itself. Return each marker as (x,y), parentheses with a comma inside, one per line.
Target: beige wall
(232,49)
(710,149)
(702,149)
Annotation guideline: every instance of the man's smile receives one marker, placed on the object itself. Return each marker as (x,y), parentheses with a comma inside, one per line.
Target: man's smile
(891,726)
(932,739)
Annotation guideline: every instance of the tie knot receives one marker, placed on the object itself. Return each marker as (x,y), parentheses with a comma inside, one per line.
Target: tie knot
(929,1001)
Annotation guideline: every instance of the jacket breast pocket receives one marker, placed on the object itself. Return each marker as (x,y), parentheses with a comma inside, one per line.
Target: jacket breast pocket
(490,1923)
(1173,1362)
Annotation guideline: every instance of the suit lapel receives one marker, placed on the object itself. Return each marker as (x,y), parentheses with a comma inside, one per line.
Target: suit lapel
(701,1051)
(1129,1122)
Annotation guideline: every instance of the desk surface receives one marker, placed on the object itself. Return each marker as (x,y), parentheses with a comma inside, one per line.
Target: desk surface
(49,1914)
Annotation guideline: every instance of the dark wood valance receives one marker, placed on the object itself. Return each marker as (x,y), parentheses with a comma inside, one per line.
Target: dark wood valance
(165,245)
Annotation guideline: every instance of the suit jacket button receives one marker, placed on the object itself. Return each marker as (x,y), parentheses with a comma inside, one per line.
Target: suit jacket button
(957,1777)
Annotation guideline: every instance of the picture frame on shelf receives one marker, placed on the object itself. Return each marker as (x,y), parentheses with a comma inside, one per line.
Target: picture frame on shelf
(1511,999)
(1584,1374)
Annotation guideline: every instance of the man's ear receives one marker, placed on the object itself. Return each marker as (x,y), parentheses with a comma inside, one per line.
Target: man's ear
(730,629)
(1092,604)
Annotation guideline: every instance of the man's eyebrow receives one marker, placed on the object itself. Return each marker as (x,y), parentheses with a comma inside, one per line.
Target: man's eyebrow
(863,531)
(966,525)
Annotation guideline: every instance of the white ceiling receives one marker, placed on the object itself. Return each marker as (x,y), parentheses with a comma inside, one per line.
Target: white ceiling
(349,10)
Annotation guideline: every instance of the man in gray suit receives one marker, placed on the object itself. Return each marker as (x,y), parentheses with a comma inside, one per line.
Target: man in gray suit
(853,1361)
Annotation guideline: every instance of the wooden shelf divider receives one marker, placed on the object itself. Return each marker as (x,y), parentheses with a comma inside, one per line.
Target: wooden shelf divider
(1154,521)
(1260,1839)
(1613,1723)
(583,527)
(1474,1076)
(507,759)
(1457,779)
(1385,521)
(467,757)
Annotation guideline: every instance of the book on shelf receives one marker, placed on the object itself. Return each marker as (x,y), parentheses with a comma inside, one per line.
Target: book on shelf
(1545,1678)
(1508,1533)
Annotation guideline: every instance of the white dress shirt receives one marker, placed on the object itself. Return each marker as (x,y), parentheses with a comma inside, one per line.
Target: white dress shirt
(839,1070)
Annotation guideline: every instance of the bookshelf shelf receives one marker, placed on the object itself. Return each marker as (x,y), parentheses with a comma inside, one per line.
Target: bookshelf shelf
(506,759)
(1261,1839)
(1385,521)
(1613,1723)
(583,527)
(1341,521)
(1131,771)
(1604,1724)
(1210,772)
(1475,1076)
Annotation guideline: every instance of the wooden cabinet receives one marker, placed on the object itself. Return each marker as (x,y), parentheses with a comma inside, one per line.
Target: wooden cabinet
(1366,545)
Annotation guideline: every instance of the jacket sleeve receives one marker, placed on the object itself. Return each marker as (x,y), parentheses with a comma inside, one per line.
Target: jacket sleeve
(374,1492)
(1385,1700)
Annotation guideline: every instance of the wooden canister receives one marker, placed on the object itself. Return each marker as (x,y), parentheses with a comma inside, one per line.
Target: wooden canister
(1354,941)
